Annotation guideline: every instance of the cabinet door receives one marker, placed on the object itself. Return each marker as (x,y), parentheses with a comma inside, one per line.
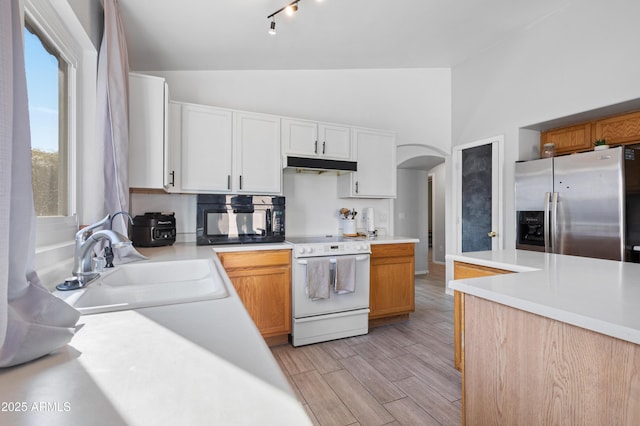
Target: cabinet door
(206,149)
(148,97)
(461,271)
(392,280)
(620,129)
(568,139)
(262,279)
(172,148)
(375,153)
(300,138)
(334,141)
(258,160)
(265,293)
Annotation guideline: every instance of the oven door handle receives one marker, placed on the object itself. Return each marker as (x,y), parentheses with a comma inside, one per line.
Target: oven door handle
(332,315)
(358,259)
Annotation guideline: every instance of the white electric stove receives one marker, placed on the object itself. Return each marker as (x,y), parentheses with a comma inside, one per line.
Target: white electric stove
(341,314)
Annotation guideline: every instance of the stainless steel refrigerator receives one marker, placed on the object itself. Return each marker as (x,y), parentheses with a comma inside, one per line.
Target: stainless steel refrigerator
(583,204)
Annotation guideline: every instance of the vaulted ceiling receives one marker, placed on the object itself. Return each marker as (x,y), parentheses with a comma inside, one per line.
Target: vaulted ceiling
(327,34)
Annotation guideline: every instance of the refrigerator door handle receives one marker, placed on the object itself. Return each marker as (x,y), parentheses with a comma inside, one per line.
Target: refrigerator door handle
(554,222)
(547,233)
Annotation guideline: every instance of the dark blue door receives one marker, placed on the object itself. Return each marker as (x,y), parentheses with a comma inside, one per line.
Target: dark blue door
(476,198)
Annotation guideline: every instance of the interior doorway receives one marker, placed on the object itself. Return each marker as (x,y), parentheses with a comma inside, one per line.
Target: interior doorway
(419,207)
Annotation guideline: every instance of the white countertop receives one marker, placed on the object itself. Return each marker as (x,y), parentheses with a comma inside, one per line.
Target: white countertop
(192,363)
(598,295)
(392,239)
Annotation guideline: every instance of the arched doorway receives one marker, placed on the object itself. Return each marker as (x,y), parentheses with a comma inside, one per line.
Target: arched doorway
(419,209)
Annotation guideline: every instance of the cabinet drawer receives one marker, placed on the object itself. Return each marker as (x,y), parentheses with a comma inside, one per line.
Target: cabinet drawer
(256,258)
(392,250)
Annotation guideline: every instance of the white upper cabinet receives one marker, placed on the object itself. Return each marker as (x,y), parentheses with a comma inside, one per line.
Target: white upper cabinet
(375,152)
(224,151)
(148,127)
(206,149)
(257,153)
(188,148)
(334,141)
(311,139)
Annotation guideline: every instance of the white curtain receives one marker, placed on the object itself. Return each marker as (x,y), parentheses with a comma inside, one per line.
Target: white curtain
(113,122)
(33,322)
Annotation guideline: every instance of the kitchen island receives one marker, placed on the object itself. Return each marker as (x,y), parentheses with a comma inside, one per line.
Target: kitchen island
(555,342)
(192,363)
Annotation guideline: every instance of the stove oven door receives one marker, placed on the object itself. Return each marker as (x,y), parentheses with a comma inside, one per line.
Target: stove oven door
(304,306)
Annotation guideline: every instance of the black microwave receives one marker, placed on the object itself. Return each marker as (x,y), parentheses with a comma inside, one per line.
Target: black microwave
(239,219)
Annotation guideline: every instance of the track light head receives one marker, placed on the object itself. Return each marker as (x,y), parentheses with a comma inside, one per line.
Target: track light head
(272,27)
(291,9)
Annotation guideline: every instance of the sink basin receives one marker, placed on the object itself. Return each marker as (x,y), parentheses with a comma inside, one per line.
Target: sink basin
(140,285)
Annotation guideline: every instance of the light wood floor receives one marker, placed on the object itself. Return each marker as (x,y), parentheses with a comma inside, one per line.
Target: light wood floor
(399,374)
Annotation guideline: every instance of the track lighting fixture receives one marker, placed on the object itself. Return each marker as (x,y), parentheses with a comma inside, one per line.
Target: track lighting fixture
(291,8)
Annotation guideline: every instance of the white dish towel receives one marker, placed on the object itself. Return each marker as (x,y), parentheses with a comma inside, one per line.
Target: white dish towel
(345,274)
(318,278)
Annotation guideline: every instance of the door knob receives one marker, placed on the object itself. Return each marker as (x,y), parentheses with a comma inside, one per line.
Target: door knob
(492,234)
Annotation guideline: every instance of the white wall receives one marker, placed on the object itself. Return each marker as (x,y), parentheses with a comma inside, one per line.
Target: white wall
(414,103)
(91,15)
(312,206)
(583,57)
(439,198)
(411,213)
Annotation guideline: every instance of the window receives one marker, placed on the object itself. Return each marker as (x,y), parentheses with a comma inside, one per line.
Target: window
(47,87)
(63,132)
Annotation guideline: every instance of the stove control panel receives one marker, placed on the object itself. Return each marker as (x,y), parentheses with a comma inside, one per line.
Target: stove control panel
(331,249)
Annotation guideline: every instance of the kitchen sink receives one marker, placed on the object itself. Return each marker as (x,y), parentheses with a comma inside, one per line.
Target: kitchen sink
(146,284)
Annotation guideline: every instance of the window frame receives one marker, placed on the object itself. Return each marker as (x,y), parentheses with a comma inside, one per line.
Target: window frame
(58,23)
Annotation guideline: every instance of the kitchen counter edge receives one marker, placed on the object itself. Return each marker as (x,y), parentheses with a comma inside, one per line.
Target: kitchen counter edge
(594,294)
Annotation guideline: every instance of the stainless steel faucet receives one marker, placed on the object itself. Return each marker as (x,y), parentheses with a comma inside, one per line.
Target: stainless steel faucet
(108,251)
(86,239)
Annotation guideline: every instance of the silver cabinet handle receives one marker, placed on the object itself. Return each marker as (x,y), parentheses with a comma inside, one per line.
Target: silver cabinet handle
(228,181)
(323,146)
(240,181)
(356,187)
(173,178)
(315,147)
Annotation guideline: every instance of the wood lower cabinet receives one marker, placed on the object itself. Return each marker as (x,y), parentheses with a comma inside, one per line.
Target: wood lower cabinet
(392,291)
(462,270)
(525,369)
(262,279)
